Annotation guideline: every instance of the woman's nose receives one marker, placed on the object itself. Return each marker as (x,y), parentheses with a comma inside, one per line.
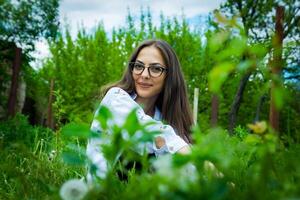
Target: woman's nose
(145,73)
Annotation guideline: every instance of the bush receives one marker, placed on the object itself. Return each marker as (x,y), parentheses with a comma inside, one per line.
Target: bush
(18,130)
(30,167)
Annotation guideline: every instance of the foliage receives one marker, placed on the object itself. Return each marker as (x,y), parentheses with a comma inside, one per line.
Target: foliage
(30,163)
(24,22)
(241,165)
(18,130)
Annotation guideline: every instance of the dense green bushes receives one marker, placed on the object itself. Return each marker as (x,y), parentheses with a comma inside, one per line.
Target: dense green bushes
(31,167)
(18,130)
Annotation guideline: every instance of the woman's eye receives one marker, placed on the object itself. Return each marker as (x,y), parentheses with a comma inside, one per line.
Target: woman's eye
(138,66)
(156,69)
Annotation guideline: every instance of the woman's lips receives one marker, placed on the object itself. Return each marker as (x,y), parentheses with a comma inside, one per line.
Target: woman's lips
(144,85)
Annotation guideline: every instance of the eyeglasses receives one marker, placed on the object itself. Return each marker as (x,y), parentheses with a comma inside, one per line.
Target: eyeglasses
(154,70)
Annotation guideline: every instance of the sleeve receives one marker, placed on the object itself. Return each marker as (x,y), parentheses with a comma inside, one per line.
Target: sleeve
(94,153)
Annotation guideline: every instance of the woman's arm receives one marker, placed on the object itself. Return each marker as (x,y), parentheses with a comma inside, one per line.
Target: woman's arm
(184,150)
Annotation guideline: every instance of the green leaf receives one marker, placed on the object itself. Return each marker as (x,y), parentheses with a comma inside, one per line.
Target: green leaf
(253,139)
(218,75)
(244,65)
(132,124)
(258,50)
(217,40)
(103,116)
(104,112)
(72,158)
(76,130)
(148,136)
(180,160)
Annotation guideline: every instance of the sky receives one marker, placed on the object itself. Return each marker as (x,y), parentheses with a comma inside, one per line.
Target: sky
(112,13)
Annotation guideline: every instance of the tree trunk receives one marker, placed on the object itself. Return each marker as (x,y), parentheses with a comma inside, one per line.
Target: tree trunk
(237,102)
(276,66)
(12,100)
(214,110)
(259,106)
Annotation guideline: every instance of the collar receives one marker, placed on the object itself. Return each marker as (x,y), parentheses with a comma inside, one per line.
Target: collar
(157,113)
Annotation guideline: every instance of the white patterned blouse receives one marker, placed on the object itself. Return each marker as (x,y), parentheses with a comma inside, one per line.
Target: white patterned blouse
(120,103)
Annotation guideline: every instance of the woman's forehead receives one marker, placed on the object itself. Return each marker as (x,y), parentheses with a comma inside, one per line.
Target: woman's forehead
(150,54)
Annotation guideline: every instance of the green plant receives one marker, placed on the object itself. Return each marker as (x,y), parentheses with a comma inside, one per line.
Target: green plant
(241,164)
(30,164)
(17,129)
(241,132)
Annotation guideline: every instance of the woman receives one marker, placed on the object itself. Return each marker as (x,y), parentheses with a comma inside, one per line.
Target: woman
(153,84)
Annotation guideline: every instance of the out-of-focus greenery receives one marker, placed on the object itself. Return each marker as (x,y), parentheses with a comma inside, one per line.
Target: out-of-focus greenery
(255,165)
(24,22)
(31,166)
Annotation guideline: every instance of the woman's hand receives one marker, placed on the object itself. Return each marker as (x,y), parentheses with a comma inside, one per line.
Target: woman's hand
(160,142)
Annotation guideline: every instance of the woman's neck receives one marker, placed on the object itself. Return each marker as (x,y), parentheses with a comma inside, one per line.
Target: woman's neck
(148,104)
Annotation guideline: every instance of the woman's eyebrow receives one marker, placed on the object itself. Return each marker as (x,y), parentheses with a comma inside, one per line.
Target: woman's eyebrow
(140,61)
(155,63)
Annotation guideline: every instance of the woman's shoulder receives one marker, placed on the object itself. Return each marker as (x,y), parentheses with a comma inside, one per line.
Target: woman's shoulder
(116,91)
(116,95)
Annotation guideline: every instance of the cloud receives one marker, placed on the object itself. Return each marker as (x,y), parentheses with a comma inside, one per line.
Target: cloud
(88,13)
(113,12)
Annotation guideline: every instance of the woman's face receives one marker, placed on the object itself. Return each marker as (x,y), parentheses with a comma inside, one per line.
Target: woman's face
(147,86)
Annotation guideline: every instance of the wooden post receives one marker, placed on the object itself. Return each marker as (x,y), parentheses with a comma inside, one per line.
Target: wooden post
(195,105)
(50,122)
(12,100)
(276,65)
(214,110)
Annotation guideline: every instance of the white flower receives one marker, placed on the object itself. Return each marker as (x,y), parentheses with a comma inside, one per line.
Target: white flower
(73,189)
(52,155)
(210,167)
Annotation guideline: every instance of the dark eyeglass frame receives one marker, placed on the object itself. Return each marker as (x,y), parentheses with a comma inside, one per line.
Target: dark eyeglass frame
(163,69)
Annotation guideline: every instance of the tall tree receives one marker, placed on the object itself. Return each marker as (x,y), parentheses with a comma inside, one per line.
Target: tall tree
(257,19)
(276,66)
(22,23)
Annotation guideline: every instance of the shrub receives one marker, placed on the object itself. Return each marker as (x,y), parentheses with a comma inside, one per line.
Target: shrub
(17,129)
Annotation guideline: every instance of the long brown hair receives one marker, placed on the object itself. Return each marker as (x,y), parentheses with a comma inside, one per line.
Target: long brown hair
(172,101)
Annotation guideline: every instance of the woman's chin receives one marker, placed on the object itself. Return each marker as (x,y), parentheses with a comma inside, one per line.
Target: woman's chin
(145,93)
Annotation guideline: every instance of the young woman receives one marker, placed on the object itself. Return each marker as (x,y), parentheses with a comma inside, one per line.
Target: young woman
(153,84)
